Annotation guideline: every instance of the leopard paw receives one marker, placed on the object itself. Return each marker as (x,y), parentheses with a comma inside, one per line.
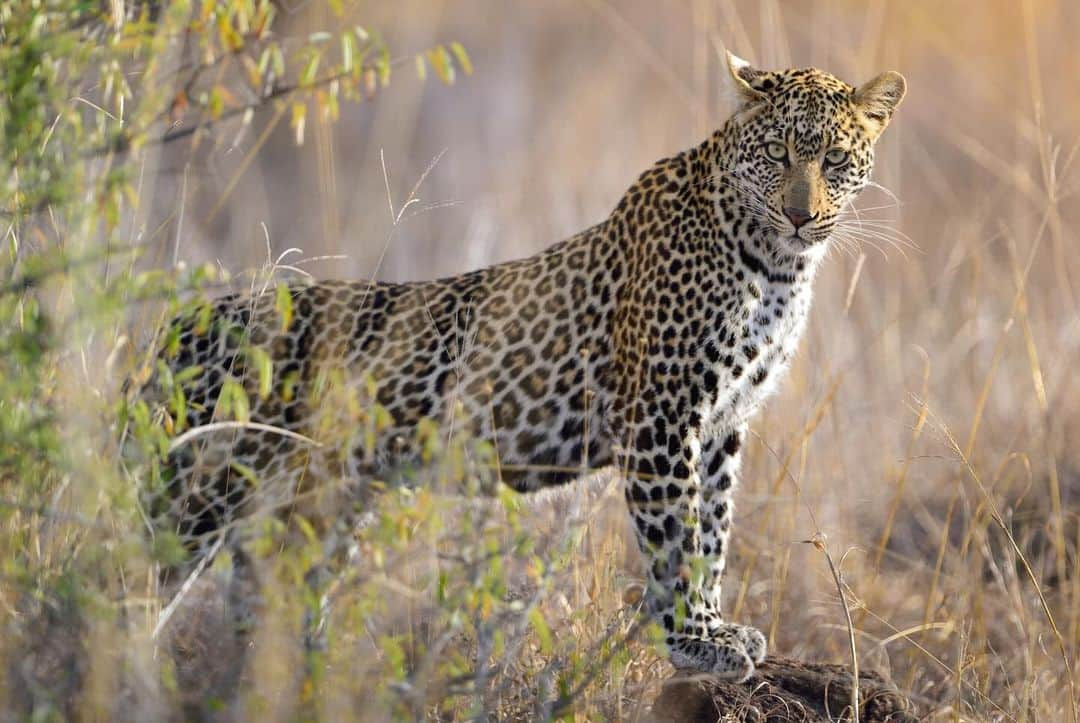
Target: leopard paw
(730,654)
(753,641)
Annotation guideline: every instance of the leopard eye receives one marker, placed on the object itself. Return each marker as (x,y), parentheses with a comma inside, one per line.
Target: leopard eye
(776,151)
(836,157)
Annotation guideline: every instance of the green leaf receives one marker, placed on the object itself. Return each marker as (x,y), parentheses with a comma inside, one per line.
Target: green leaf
(168,548)
(223,561)
(178,407)
(244,471)
(440,590)
(536,619)
(260,360)
(306,528)
(311,70)
(233,401)
(383,67)
(216,104)
(462,57)
(277,60)
(440,62)
(298,122)
(186,375)
(264,61)
(348,51)
(288,385)
(202,319)
(283,306)
(229,37)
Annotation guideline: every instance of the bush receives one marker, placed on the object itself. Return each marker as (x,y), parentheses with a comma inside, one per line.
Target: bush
(442,617)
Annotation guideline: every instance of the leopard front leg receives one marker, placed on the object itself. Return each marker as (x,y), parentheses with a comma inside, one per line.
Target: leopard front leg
(679,488)
(721,457)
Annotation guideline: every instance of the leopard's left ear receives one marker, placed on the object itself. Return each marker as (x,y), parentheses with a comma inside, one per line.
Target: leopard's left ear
(877,100)
(742,74)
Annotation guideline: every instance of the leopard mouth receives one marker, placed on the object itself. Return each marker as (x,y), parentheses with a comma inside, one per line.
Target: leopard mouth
(798,242)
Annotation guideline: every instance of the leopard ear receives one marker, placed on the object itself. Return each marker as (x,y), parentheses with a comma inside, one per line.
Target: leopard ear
(742,74)
(877,100)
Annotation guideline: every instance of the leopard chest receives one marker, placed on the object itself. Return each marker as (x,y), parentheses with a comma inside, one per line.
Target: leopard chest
(756,345)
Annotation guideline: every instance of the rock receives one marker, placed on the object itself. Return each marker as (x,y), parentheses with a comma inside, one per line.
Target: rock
(785,690)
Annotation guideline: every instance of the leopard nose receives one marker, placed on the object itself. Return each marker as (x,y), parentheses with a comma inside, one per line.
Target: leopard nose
(798,216)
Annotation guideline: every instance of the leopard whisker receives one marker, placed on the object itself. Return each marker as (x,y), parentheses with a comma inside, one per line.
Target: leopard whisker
(883,235)
(863,239)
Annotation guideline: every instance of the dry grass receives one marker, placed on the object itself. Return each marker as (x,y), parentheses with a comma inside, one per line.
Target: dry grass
(927,437)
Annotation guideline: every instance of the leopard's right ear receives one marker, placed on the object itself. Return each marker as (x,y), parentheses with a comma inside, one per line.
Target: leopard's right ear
(877,99)
(742,75)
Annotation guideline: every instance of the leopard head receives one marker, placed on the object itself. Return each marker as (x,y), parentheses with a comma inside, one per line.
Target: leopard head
(804,147)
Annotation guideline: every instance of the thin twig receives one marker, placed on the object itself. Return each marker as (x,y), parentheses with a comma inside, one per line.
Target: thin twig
(818,541)
(218,426)
(167,613)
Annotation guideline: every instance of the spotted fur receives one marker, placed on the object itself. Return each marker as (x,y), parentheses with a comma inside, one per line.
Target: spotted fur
(645,342)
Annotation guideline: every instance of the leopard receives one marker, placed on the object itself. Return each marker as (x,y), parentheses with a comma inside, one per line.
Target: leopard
(645,344)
